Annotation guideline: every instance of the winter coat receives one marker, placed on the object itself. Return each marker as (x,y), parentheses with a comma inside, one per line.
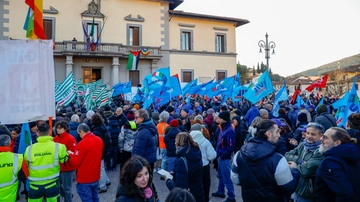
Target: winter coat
(326,120)
(101,131)
(240,133)
(126,140)
(308,162)
(122,197)
(170,141)
(182,128)
(73,130)
(208,152)
(355,134)
(298,132)
(226,141)
(17,141)
(338,176)
(209,121)
(264,174)
(189,177)
(145,141)
(251,114)
(114,130)
(122,119)
(284,116)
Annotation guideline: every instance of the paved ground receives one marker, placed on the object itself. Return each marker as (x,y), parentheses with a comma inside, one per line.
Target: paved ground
(163,191)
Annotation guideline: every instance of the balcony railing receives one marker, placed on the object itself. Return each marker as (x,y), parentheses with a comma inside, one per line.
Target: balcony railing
(81,47)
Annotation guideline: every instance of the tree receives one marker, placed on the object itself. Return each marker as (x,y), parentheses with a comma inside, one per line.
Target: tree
(276,77)
(258,68)
(243,69)
(270,72)
(254,71)
(262,67)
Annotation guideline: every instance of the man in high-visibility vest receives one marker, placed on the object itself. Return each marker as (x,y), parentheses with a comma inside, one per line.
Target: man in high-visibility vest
(43,160)
(10,165)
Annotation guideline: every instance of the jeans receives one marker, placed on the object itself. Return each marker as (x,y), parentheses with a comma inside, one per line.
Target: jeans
(111,158)
(298,198)
(224,178)
(171,163)
(66,179)
(50,191)
(103,177)
(88,192)
(164,159)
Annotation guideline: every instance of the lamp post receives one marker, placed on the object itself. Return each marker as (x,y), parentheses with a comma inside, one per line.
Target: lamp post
(267,46)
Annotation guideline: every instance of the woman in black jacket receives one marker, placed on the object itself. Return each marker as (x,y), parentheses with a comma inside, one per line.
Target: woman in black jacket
(188,167)
(170,137)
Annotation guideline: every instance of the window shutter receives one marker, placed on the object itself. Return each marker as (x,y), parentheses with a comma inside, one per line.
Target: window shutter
(136,36)
(47,24)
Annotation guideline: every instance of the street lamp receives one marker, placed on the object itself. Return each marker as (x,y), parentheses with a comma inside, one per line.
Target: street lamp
(267,46)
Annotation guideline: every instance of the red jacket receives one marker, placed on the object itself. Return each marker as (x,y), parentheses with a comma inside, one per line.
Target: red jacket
(87,158)
(70,144)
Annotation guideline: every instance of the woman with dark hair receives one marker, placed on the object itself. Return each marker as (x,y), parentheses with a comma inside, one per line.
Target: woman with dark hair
(14,133)
(188,166)
(66,169)
(136,182)
(180,195)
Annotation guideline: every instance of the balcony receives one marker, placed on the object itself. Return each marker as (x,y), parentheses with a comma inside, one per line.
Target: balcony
(102,50)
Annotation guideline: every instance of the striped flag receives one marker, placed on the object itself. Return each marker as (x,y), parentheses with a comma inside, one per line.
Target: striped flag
(56,85)
(34,20)
(96,92)
(66,92)
(103,98)
(88,100)
(133,61)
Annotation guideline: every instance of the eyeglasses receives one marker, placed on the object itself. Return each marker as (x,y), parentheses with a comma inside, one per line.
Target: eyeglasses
(137,117)
(316,125)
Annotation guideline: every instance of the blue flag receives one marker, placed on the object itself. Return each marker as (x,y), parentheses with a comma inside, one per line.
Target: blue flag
(175,86)
(237,81)
(188,86)
(299,101)
(320,103)
(238,92)
(160,78)
(280,96)
(121,88)
(260,88)
(25,138)
(223,87)
(352,104)
(200,89)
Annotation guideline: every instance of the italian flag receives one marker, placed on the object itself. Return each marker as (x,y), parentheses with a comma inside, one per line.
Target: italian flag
(133,61)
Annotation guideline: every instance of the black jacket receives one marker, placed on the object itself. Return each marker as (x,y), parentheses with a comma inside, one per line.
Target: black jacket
(355,134)
(114,130)
(101,131)
(170,141)
(145,141)
(122,197)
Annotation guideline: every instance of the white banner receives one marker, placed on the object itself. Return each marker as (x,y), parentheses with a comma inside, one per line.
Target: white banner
(26,81)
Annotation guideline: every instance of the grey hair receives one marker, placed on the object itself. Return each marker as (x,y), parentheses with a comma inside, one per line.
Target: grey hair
(4,140)
(119,109)
(164,116)
(74,118)
(83,127)
(199,117)
(143,113)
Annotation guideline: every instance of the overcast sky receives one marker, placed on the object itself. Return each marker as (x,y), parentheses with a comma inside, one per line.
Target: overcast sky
(307,33)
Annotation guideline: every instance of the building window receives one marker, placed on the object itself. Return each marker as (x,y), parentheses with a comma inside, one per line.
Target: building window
(220,43)
(356,86)
(49,28)
(134,76)
(134,35)
(96,31)
(187,75)
(221,74)
(187,40)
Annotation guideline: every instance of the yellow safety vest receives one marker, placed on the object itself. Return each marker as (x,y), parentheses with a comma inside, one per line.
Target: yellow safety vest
(43,160)
(10,165)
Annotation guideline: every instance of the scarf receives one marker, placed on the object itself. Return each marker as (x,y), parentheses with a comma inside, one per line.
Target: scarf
(311,146)
(147,192)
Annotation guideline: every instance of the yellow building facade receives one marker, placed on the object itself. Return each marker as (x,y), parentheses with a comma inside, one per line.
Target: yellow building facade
(193,45)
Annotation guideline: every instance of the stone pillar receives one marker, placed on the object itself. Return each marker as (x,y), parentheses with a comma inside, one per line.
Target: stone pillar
(69,64)
(115,71)
(154,65)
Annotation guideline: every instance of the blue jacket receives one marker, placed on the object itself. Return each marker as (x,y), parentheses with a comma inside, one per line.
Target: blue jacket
(338,176)
(190,177)
(226,141)
(17,141)
(145,141)
(355,134)
(114,130)
(170,141)
(263,174)
(73,130)
(251,114)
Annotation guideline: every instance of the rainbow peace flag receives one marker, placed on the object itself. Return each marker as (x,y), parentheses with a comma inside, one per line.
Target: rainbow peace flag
(34,20)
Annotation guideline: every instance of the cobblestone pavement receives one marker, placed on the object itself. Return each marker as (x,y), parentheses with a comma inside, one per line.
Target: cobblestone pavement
(163,191)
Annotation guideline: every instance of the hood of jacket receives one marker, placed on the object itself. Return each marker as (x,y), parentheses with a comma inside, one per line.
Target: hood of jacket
(257,149)
(148,124)
(73,125)
(102,128)
(197,136)
(194,154)
(348,152)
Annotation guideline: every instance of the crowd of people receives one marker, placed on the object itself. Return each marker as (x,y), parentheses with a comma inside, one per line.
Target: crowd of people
(299,155)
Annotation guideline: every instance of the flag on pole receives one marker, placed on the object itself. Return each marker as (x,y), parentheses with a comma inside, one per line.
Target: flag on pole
(34,20)
(352,104)
(320,83)
(175,86)
(133,60)
(297,92)
(121,88)
(187,87)
(88,99)
(92,28)
(260,88)
(280,96)
(66,92)
(25,138)
(158,79)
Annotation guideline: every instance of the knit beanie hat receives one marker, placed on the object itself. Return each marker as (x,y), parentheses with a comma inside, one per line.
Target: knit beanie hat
(302,117)
(170,109)
(225,115)
(321,109)
(354,121)
(210,111)
(130,116)
(174,123)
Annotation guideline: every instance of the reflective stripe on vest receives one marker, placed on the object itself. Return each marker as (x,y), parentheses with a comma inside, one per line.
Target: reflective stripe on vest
(14,177)
(56,159)
(43,178)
